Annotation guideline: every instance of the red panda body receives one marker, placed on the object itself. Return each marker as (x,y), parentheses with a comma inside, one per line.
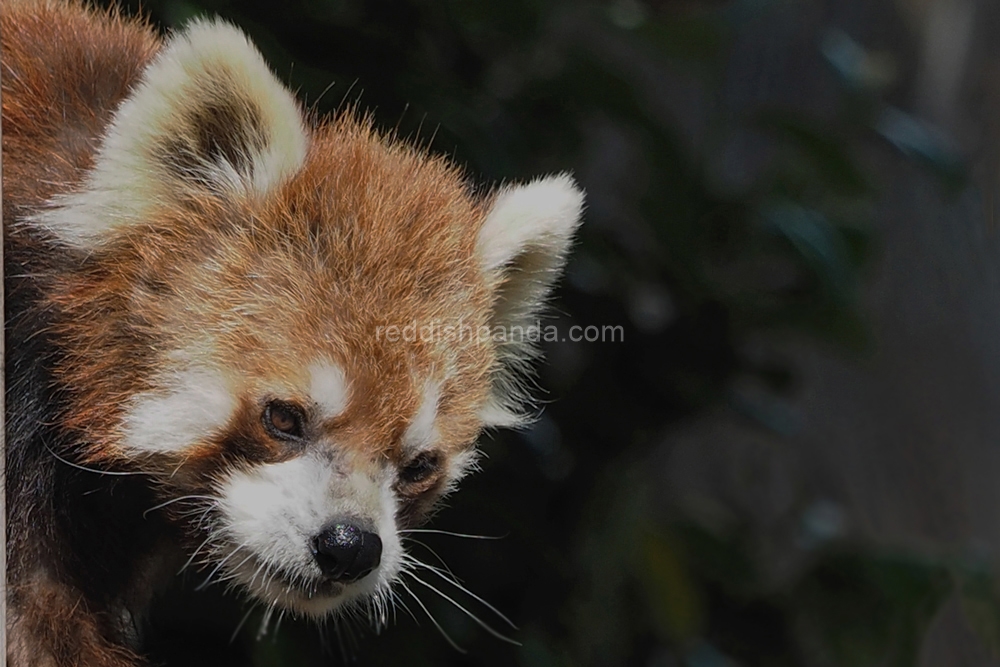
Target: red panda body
(201,286)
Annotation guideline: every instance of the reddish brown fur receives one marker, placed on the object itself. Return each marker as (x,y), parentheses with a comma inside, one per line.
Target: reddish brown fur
(403,216)
(403,253)
(51,615)
(52,118)
(53,115)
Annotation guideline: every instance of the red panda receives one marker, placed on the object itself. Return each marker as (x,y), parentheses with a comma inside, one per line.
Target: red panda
(201,283)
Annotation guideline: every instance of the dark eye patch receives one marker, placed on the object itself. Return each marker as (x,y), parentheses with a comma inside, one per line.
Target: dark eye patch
(420,468)
(283,420)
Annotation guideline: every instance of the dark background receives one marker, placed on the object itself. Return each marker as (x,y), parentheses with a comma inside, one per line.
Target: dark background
(793,457)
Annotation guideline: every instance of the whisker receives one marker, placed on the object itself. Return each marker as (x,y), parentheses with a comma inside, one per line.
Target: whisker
(208,579)
(239,626)
(175,500)
(261,569)
(448,532)
(340,639)
(177,469)
(354,631)
(234,574)
(479,621)
(193,555)
(465,590)
(202,513)
(86,469)
(380,608)
(433,553)
(265,622)
(397,600)
(434,621)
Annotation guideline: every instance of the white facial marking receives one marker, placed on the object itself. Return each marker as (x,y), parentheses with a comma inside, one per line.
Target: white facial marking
(460,465)
(494,414)
(329,389)
(272,512)
(197,403)
(275,509)
(421,433)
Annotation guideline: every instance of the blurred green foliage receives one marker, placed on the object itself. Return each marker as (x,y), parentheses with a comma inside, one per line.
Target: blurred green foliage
(691,263)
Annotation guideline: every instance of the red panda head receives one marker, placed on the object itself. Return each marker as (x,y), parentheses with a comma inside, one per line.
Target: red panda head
(292,329)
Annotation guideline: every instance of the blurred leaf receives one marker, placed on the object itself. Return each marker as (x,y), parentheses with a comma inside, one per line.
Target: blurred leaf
(179,12)
(871,609)
(847,328)
(628,14)
(718,556)
(828,152)
(978,593)
(918,141)
(773,414)
(535,651)
(820,246)
(858,68)
(860,243)
(671,591)
(698,39)
(706,655)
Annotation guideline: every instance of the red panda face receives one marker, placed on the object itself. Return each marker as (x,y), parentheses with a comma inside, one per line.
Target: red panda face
(291,330)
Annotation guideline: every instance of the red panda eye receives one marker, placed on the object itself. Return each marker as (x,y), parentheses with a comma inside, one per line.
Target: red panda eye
(421,467)
(283,421)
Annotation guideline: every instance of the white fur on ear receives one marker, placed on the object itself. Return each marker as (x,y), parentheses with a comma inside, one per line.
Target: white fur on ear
(208,115)
(522,247)
(540,216)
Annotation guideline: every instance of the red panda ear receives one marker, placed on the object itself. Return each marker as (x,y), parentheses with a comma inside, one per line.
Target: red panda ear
(522,247)
(208,116)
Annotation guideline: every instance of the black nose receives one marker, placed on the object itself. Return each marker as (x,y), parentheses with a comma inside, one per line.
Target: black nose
(346,553)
